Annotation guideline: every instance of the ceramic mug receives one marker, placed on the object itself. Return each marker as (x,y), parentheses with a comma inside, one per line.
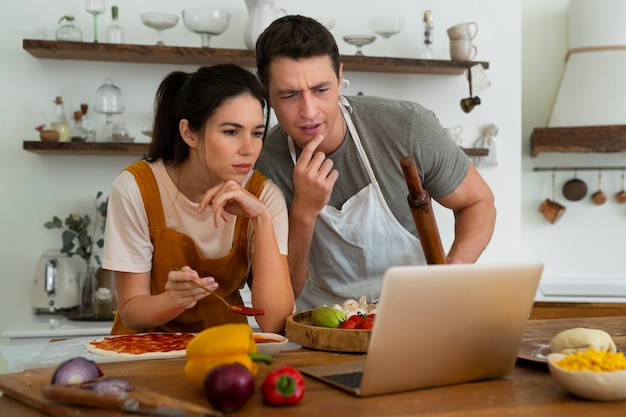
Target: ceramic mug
(551,210)
(454,132)
(462,50)
(465,30)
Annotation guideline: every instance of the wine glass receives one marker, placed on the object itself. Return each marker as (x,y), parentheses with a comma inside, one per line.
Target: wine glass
(359,41)
(159,22)
(206,23)
(95,8)
(386,26)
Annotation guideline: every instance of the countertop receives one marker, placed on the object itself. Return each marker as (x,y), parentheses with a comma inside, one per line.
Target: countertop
(529,390)
(36,328)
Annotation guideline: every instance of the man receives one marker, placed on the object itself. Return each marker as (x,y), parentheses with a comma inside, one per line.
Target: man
(337,159)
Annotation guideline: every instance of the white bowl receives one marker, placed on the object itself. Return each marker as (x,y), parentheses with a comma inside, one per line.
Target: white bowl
(600,386)
(159,21)
(270,343)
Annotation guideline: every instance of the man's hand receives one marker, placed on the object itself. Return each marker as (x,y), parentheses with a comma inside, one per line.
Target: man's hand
(313,177)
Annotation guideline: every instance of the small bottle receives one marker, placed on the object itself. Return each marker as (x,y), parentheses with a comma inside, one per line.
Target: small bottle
(87,123)
(114,32)
(78,133)
(427,52)
(59,123)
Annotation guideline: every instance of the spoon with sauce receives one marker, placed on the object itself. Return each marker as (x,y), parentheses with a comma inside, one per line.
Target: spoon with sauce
(246,311)
(243,310)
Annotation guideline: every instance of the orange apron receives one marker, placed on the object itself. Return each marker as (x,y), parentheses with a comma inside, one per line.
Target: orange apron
(175,249)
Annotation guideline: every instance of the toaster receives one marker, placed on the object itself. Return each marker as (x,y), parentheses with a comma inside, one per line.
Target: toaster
(55,288)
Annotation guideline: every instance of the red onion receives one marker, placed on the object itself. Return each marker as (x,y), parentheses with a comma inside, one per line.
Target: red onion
(76,371)
(228,387)
(115,386)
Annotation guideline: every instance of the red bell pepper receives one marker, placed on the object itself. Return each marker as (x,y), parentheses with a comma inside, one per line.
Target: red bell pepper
(283,386)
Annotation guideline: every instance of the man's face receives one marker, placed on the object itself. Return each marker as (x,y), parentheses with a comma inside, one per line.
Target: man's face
(304,94)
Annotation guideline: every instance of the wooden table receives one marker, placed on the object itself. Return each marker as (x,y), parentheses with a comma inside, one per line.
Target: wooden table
(528,391)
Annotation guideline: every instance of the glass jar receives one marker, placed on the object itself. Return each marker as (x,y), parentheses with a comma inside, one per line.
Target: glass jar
(68,32)
(105,302)
(86,293)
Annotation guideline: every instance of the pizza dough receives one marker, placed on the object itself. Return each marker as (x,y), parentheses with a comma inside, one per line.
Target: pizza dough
(580,339)
(141,346)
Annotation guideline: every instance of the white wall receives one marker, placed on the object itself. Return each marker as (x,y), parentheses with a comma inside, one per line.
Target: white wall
(36,187)
(589,241)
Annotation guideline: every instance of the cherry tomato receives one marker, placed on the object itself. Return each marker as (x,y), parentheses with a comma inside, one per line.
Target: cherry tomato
(348,324)
(366,323)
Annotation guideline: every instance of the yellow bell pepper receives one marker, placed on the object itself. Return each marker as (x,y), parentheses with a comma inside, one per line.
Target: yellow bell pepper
(221,345)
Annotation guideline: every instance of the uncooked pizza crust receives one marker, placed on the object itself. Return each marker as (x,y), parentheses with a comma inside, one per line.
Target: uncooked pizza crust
(580,339)
(141,346)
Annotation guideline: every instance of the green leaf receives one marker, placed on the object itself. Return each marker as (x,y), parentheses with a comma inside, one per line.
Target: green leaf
(54,224)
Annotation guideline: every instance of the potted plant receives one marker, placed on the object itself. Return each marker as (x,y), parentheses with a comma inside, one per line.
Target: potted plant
(84,238)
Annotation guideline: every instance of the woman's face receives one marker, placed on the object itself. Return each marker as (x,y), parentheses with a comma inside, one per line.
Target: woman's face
(233,138)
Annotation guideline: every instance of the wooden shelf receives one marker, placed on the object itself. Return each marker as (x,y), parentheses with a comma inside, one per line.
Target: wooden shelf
(581,139)
(86,148)
(181,55)
(124,148)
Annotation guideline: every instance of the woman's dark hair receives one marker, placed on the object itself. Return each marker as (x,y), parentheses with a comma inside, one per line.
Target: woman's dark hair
(195,97)
(294,37)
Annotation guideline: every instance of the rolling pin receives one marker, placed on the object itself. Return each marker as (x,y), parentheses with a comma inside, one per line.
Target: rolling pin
(422,211)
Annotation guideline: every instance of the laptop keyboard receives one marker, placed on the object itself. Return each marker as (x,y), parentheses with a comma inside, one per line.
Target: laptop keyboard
(352,379)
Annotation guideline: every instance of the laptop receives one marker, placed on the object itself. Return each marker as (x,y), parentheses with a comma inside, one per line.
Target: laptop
(440,325)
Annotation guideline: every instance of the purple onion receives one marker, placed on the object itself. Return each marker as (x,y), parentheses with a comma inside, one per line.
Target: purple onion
(228,387)
(75,371)
(115,386)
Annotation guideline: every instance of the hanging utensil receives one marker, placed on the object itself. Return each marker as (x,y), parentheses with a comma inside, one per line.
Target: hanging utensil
(575,189)
(599,197)
(551,209)
(621,196)
(421,209)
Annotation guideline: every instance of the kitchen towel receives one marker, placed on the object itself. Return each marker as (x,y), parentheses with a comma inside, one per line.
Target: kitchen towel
(487,140)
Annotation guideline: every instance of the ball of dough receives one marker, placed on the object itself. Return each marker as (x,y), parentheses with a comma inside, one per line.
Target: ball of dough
(580,339)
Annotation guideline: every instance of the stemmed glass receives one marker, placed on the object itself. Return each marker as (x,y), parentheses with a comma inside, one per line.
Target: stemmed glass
(359,41)
(95,8)
(159,22)
(206,23)
(386,26)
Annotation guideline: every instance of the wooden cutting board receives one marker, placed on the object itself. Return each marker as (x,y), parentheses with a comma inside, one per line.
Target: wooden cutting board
(300,329)
(26,387)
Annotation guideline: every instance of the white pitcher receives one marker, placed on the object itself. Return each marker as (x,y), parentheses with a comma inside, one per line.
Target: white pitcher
(260,14)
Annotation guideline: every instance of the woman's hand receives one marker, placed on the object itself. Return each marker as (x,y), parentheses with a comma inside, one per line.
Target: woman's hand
(184,293)
(231,198)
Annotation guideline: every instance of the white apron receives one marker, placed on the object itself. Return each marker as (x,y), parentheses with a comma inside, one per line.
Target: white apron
(353,247)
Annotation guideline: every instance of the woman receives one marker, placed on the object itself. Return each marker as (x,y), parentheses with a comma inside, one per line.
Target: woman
(195,209)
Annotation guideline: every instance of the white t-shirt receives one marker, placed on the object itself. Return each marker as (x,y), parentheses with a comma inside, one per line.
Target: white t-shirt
(127,245)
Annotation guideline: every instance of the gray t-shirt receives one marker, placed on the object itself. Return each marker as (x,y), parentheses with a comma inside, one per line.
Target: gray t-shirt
(389,130)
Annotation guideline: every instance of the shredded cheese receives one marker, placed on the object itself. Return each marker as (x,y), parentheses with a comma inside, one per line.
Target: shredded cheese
(593,360)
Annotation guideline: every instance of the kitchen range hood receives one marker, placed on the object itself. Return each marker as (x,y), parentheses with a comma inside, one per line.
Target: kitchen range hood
(589,114)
